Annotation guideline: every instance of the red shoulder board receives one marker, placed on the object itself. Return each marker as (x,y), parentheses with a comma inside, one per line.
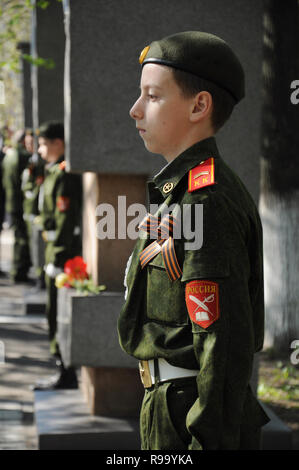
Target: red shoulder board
(63,203)
(62,165)
(202,300)
(202,175)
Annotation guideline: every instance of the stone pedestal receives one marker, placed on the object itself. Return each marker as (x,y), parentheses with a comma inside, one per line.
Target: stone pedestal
(112,391)
(87,336)
(106,258)
(63,422)
(87,329)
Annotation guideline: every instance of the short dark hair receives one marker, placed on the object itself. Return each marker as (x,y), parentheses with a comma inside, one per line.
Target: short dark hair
(51,130)
(223,102)
(29,131)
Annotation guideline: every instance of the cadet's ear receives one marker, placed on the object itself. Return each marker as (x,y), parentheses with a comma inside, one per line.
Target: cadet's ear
(202,106)
(59,143)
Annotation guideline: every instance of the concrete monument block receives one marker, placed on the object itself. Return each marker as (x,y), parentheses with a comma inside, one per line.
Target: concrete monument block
(106,258)
(112,391)
(24,48)
(48,42)
(104,40)
(87,333)
(63,422)
(87,336)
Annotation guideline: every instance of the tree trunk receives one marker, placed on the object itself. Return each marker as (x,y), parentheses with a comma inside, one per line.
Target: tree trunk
(279,200)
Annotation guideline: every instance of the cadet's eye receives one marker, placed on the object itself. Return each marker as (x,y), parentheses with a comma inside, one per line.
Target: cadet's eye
(152,97)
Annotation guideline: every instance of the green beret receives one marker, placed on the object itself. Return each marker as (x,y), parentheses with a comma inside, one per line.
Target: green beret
(201,54)
(51,130)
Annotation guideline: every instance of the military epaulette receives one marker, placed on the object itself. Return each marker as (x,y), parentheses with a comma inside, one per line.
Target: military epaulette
(62,165)
(202,175)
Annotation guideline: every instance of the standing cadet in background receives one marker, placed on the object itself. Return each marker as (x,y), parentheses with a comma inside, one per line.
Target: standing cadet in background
(14,163)
(61,218)
(32,179)
(194,313)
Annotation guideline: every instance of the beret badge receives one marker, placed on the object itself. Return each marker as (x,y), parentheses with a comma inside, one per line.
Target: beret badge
(143,54)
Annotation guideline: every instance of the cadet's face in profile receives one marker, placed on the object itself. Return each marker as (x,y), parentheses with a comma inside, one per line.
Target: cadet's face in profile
(161,112)
(50,150)
(29,143)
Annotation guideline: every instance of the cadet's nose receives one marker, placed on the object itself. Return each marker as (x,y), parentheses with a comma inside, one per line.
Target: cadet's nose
(135,111)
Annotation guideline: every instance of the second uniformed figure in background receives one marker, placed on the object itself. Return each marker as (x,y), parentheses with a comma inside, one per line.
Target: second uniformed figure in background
(61,204)
(13,165)
(194,312)
(32,179)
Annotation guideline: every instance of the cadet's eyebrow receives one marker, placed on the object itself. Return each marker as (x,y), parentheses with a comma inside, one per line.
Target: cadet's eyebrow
(151,86)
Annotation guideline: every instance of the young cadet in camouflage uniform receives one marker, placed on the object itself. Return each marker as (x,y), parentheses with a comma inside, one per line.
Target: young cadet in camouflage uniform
(32,179)
(14,162)
(194,316)
(61,218)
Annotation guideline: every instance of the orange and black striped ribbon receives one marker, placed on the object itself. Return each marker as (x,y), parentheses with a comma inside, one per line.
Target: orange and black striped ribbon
(163,232)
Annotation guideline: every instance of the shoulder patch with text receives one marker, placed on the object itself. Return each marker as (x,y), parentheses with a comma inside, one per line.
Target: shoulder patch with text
(63,203)
(202,300)
(202,175)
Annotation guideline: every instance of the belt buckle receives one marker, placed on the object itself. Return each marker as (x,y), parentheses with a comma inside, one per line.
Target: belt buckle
(145,374)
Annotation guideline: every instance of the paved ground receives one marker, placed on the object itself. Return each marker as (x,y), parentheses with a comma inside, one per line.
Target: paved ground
(24,357)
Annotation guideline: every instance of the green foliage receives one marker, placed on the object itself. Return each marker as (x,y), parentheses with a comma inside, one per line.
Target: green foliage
(42,4)
(39,62)
(15,27)
(87,287)
(282,385)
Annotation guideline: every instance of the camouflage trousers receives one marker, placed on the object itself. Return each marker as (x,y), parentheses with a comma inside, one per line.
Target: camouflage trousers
(163,415)
(21,255)
(51,312)
(163,418)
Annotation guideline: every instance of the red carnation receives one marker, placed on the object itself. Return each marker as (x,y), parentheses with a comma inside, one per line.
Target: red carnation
(75,268)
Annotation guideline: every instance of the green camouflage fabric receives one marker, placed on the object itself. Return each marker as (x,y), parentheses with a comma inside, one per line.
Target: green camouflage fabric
(65,220)
(60,184)
(32,178)
(14,163)
(154,321)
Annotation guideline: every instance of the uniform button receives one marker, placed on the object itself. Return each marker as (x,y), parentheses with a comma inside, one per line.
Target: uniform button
(167,187)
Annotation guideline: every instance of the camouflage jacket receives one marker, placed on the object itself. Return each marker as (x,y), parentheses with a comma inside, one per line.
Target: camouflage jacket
(210,318)
(32,179)
(61,201)
(14,162)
